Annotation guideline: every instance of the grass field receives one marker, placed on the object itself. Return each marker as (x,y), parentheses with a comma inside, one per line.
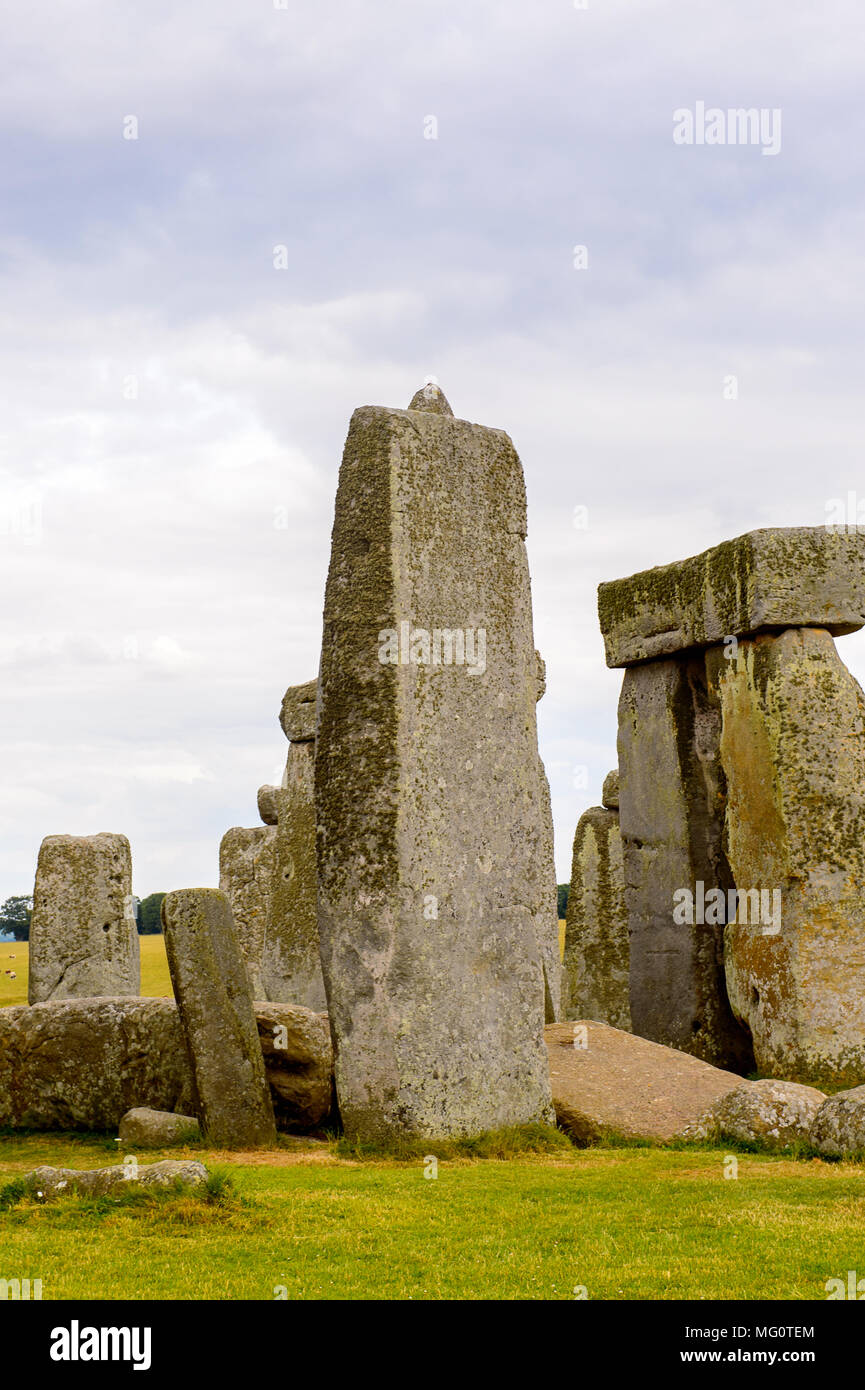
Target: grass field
(14,955)
(620,1223)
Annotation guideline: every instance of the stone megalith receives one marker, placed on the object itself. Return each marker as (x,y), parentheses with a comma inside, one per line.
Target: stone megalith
(798,576)
(429,816)
(83,933)
(595,972)
(247,859)
(214,1001)
(548,923)
(269,876)
(793,754)
(291,964)
(671,797)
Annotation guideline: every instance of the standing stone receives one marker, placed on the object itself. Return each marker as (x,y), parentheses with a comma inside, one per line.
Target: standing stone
(291,964)
(247,861)
(597,955)
(671,799)
(432,888)
(793,752)
(83,934)
(211,987)
(548,923)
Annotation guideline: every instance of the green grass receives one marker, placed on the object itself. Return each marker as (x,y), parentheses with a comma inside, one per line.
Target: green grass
(155,979)
(624,1223)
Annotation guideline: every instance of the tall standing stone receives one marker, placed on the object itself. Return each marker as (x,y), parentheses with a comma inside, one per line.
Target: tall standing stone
(247,864)
(671,807)
(793,752)
(548,923)
(432,891)
(595,970)
(214,1001)
(292,960)
(83,934)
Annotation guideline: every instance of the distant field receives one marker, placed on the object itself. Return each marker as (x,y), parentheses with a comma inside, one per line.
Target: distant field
(15,955)
(155,979)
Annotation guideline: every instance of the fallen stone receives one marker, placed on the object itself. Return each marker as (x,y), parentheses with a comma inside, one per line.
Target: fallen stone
(83,934)
(431,864)
(143,1128)
(211,987)
(610,792)
(595,969)
(793,755)
(298,1059)
(671,788)
(776,1113)
(297,716)
(50,1183)
(838,1128)
(82,1064)
(614,1082)
(774,578)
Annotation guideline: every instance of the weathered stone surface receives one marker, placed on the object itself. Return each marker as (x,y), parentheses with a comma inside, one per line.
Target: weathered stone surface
(211,987)
(610,792)
(247,866)
(269,877)
(548,924)
(793,753)
(776,1113)
(143,1128)
(791,577)
(542,676)
(838,1128)
(548,938)
(431,398)
(671,799)
(595,974)
(83,937)
(298,1057)
(268,804)
(291,961)
(615,1082)
(49,1183)
(432,888)
(84,1063)
(297,716)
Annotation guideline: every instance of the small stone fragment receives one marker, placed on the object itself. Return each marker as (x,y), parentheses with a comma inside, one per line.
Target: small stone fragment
(143,1128)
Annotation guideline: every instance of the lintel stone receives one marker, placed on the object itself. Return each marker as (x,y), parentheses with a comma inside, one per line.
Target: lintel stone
(803,576)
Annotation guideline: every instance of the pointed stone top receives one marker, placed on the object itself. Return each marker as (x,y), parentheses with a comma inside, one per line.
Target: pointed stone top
(431,398)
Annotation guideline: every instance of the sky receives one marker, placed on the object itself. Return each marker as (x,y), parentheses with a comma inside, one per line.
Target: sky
(224,226)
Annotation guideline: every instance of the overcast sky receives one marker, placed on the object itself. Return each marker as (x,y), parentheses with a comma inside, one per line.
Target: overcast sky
(174,405)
